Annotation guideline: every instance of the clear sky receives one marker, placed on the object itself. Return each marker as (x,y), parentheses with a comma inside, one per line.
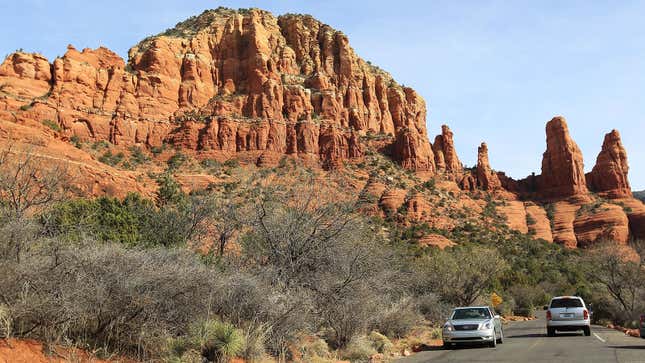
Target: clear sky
(495,71)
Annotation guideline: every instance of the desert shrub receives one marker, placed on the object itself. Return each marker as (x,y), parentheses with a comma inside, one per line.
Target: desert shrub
(169,191)
(104,295)
(380,342)
(359,349)
(621,277)
(176,161)
(52,125)
(232,163)
(76,141)
(5,322)
(28,186)
(527,298)
(458,283)
(217,340)
(312,348)
(156,150)
(137,156)
(324,256)
(433,308)
(507,307)
(255,337)
(111,159)
(133,221)
(398,319)
(212,165)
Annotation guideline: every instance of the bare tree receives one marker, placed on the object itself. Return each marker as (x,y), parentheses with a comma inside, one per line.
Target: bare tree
(28,183)
(621,273)
(462,275)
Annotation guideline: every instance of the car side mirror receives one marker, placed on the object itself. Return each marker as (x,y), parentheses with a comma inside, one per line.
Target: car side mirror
(545,307)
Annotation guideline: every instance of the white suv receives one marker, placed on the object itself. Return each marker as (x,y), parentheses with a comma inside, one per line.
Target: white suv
(567,313)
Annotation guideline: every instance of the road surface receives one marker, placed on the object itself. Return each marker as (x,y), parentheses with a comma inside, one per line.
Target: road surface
(527,342)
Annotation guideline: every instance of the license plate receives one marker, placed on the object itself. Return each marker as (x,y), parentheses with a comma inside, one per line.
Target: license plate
(566,315)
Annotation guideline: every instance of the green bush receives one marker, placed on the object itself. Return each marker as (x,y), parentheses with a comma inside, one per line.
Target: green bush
(232,163)
(137,156)
(176,161)
(98,145)
(76,141)
(111,159)
(52,125)
(132,221)
(156,150)
(217,340)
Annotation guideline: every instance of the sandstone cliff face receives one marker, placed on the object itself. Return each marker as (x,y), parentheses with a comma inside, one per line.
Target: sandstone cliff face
(538,222)
(515,215)
(562,164)
(608,222)
(225,83)
(250,86)
(609,175)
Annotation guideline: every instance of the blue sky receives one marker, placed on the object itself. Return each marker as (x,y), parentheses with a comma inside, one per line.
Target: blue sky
(495,71)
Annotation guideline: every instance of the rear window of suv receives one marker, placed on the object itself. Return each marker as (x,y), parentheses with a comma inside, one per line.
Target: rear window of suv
(566,303)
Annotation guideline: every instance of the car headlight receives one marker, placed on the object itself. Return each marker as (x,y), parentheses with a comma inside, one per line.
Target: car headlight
(487,325)
(448,327)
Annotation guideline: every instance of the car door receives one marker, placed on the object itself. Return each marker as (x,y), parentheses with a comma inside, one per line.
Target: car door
(497,323)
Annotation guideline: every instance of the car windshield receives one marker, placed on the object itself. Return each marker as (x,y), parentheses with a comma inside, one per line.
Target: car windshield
(566,303)
(471,313)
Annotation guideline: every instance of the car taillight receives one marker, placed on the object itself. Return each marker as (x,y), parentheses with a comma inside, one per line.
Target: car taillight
(548,315)
(586,314)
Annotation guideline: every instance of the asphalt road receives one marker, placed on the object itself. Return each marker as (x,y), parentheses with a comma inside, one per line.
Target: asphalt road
(527,342)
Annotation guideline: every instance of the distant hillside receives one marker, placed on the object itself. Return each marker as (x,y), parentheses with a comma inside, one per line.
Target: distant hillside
(640,195)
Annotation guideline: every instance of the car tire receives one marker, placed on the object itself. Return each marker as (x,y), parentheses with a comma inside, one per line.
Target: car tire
(501,337)
(587,330)
(550,332)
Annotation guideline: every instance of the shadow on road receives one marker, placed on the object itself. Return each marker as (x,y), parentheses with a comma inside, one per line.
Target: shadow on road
(628,347)
(470,346)
(532,335)
(427,348)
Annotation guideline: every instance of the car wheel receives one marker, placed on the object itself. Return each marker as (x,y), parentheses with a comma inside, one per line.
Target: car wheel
(550,332)
(501,337)
(587,331)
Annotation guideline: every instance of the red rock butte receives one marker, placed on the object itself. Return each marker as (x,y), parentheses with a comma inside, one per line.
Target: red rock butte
(224,83)
(250,86)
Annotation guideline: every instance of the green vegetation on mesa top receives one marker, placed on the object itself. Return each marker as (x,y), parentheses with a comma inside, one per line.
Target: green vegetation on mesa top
(191,26)
(640,195)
